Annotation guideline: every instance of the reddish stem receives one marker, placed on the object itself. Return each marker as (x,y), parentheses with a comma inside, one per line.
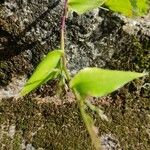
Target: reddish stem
(63,25)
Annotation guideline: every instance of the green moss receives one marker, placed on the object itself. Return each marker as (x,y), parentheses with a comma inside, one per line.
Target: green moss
(50,126)
(17,141)
(129,120)
(6,142)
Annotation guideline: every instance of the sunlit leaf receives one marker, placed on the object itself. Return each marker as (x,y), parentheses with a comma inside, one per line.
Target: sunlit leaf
(128,7)
(99,82)
(82,6)
(45,71)
(143,6)
(134,7)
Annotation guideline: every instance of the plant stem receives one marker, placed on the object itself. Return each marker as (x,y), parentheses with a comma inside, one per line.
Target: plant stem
(78,97)
(88,121)
(64,68)
(63,26)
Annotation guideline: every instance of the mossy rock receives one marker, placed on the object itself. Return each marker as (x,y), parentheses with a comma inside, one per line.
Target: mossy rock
(98,38)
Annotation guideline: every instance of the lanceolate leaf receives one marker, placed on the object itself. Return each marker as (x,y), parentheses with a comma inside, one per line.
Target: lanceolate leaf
(99,82)
(82,6)
(128,7)
(45,71)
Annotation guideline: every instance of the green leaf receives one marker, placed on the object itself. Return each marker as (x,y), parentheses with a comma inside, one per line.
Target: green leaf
(99,82)
(82,6)
(143,6)
(45,71)
(134,7)
(128,7)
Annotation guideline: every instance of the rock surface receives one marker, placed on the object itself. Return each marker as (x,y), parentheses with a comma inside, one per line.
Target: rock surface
(29,29)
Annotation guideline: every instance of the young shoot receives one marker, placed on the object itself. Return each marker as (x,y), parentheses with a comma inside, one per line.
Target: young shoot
(94,82)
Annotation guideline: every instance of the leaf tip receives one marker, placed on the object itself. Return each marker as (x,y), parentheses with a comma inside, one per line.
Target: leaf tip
(143,74)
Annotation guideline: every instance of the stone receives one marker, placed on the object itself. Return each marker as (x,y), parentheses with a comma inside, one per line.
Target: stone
(41,120)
